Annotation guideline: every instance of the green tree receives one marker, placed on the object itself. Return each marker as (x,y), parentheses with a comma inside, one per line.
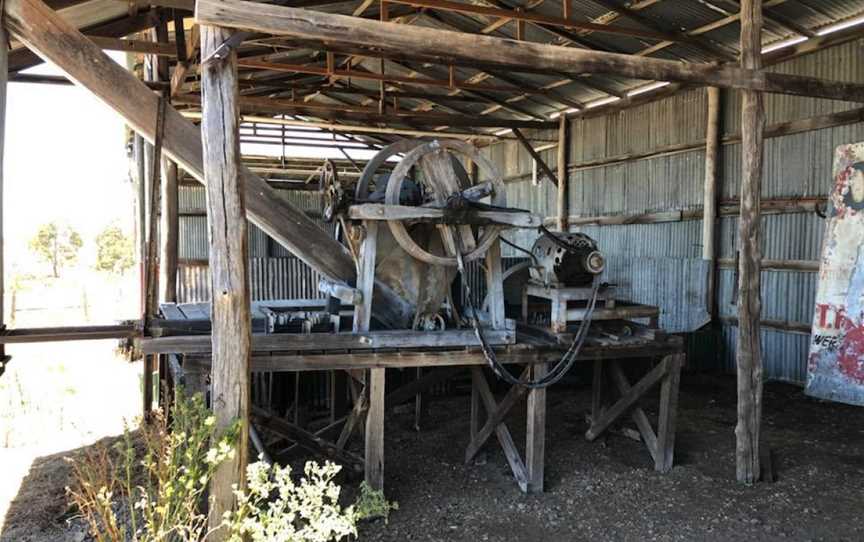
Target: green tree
(57,245)
(113,250)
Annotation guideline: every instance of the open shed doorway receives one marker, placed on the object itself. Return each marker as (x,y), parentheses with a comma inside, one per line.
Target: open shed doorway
(70,261)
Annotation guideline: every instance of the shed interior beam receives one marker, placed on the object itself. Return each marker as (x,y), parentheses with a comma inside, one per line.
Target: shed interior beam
(445,46)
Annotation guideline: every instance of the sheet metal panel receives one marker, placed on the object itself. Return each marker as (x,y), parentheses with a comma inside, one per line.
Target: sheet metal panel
(269,278)
(798,165)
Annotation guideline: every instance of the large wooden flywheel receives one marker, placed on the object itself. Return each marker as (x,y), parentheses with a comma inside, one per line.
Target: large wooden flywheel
(443,184)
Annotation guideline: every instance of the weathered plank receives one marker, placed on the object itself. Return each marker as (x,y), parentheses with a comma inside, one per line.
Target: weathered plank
(536,157)
(668,415)
(445,47)
(535,433)
(627,400)
(189,344)
(495,418)
(376,211)
(69,333)
(710,199)
(563,174)
(374,458)
(504,437)
(639,417)
(230,309)
(4,69)
(169,226)
(305,439)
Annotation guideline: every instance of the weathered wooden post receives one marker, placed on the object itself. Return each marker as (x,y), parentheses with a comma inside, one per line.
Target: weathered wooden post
(4,64)
(226,216)
(749,356)
(563,143)
(709,205)
(168,228)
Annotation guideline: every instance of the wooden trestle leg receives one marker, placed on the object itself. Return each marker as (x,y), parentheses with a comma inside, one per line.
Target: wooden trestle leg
(535,437)
(667,373)
(530,476)
(374,457)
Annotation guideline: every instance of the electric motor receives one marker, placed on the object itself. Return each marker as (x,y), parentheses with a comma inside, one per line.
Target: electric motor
(566,259)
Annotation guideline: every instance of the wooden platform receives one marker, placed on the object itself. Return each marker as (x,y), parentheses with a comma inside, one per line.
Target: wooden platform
(444,355)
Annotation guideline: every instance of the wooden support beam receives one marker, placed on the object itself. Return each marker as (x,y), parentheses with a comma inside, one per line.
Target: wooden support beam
(68,333)
(169,227)
(523,16)
(520,473)
(535,433)
(374,442)
(40,79)
(710,195)
(445,47)
(152,155)
(749,354)
(305,439)
(496,417)
(378,211)
(374,457)
(356,128)
(563,176)
(666,423)
(134,46)
(200,344)
(363,75)
(230,314)
(638,415)
(23,58)
(627,400)
(4,74)
(43,31)
(536,156)
(254,105)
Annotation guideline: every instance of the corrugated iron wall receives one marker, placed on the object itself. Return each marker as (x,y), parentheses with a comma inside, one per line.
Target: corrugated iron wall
(660,264)
(274,273)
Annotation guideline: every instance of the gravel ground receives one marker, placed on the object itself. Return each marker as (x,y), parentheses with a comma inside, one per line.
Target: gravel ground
(606,490)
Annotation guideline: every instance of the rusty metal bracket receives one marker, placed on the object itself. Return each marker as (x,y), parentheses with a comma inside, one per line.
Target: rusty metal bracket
(232,43)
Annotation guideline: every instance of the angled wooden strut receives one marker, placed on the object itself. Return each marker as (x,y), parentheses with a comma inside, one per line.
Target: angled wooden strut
(528,473)
(47,34)
(661,445)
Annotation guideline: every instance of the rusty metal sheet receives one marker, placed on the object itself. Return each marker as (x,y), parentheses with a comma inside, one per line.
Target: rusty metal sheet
(835,367)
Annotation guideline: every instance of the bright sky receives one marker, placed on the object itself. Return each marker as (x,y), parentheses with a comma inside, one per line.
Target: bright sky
(64,161)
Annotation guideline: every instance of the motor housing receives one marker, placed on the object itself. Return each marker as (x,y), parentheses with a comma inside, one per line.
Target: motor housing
(566,259)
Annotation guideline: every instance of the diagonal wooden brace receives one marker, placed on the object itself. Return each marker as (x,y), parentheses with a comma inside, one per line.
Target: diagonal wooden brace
(638,415)
(501,431)
(627,400)
(495,418)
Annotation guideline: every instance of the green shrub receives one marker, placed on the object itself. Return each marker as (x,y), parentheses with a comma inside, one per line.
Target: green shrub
(156,479)
(151,486)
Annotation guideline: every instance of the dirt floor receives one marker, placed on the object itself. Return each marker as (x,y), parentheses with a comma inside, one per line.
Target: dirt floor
(609,491)
(606,490)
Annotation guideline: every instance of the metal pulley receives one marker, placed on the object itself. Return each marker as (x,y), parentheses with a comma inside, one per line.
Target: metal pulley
(335,198)
(566,259)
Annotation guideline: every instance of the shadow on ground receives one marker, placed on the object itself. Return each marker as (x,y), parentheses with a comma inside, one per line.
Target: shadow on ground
(40,511)
(605,490)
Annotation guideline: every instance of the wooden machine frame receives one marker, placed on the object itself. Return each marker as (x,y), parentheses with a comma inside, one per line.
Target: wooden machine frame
(235,192)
